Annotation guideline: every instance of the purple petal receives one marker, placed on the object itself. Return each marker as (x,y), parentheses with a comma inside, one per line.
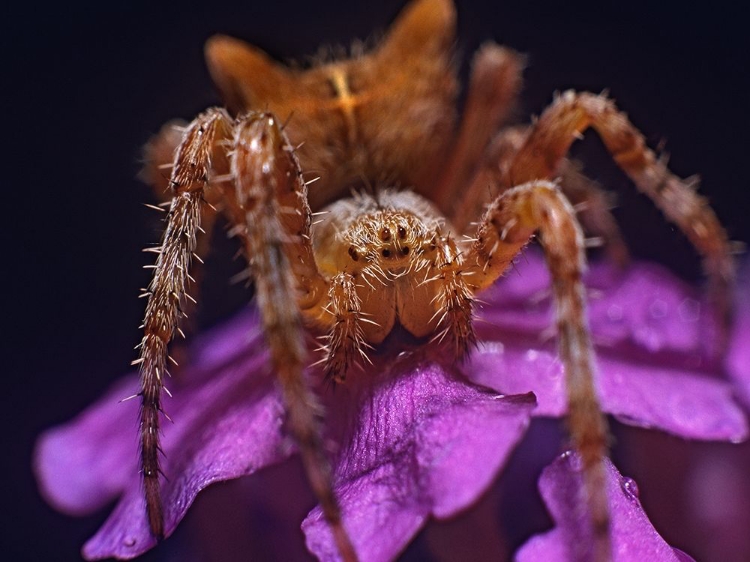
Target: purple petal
(644,307)
(656,351)
(422,442)
(738,359)
(84,464)
(633,537)
(226,424)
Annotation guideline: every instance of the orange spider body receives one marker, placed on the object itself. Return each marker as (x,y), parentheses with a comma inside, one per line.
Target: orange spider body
(346,116)
(383,124)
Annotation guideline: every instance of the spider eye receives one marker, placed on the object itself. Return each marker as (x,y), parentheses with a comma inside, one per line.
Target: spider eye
(353,253)
(385,234)
(386,253)
(405,250)
(401,232)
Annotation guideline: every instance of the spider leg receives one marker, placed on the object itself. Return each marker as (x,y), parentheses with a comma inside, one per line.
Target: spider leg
(346,344)
(158,160)
(505,228)
(158,157)
(271,200)
(571,114)
(593,205)
(166,292)
(453,301)
(592,202)
(486,184)
(493,89)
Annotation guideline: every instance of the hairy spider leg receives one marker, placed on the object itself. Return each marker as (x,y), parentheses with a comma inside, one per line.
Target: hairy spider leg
(271,205)
(539,153)
(594,205)
(158,161)
(591,201)
(568,117)
(345,342)
(494,85)
(454,297)
(505,229)
(167,290)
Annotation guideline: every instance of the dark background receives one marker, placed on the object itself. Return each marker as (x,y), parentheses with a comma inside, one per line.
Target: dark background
(85,86)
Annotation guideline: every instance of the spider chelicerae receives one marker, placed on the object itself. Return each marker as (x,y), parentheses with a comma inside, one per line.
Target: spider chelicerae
(439,210)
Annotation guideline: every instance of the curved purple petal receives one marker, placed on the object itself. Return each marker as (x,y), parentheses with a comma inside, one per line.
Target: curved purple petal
(84,464)
(226,424)
(644,307)
(738,357)
(421,442)
(656,351)
(633,537)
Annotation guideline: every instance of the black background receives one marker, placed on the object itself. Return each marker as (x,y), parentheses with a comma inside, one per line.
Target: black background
(85,86)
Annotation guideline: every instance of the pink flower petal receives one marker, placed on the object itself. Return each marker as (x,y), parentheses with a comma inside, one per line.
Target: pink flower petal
(688,403)
(738,357)
(84,464)
(645,308)
(633,537)
(423,442)
(228,424)
(656,354)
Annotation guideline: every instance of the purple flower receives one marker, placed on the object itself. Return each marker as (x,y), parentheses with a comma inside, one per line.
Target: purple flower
(413,438)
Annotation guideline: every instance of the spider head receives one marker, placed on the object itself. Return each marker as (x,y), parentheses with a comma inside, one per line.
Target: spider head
(388,235)
(388,239)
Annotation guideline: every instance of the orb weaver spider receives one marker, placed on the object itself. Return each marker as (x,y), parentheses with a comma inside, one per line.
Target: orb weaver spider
(402,251)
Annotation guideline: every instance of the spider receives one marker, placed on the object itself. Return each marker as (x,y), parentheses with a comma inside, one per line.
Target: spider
(384,239)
